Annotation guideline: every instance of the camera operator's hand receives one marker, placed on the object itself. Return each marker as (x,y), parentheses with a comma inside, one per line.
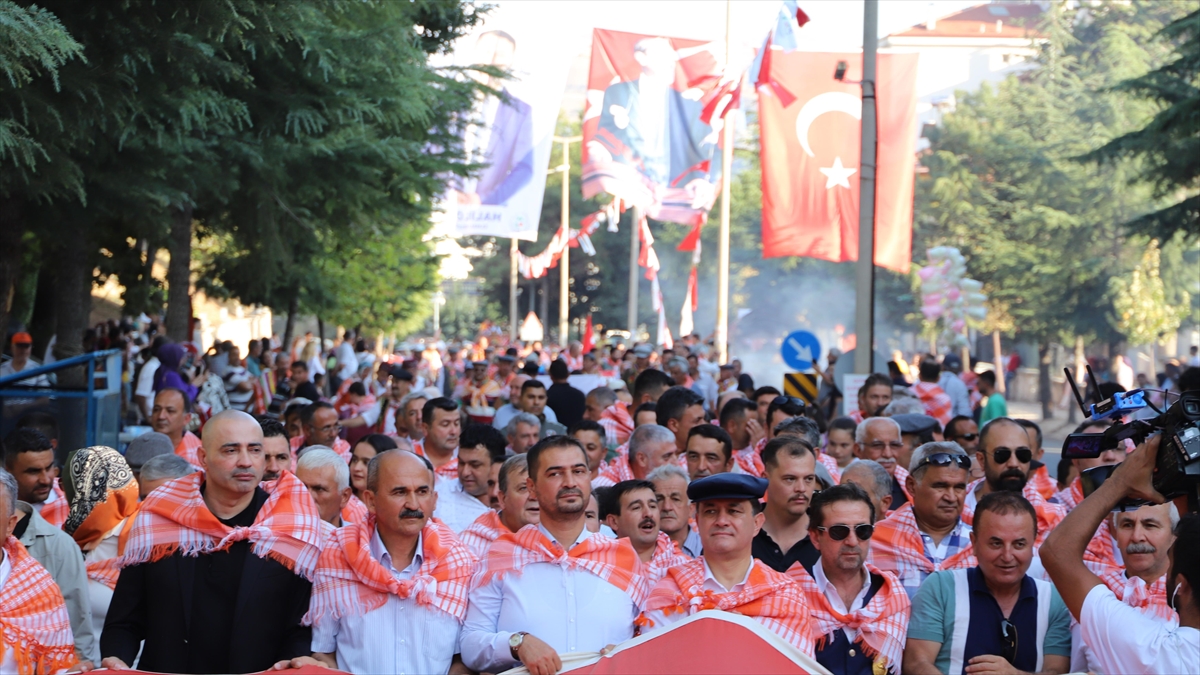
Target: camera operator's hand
(1136,473)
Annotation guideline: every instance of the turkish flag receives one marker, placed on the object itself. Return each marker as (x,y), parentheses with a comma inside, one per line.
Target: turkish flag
(811,151)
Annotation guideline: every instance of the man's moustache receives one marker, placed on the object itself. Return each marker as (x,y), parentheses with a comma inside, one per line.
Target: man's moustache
(570,491)
(412,513)
(1138,547)
(646,521)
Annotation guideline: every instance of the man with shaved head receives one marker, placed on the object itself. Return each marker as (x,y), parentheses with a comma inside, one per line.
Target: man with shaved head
(215,572)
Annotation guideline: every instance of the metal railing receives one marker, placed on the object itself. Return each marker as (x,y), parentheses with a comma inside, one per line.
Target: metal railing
(89,415)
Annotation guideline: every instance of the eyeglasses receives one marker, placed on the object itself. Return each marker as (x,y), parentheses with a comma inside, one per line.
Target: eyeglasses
(945,459)
(967,437)
(1008,634)
(331,428)
(880,445)
(840,532)
(1001,455)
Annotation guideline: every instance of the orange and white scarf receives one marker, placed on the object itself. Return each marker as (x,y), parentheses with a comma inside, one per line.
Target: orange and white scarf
(1100,553)
(447,470)
(617,423)
(897,547)
(1043,483)
(1071,496)
(354,512)
(174,518)
(1133,591)
(56,512)
(111,501)
(480,534)
(831,465)
(900,474)
(349,581)
(617,470)
(613,560)
(1049,515)
(769,597)
(33,617)
(749,460)
(189,448)
(667,554)
(880,628)
(340,446)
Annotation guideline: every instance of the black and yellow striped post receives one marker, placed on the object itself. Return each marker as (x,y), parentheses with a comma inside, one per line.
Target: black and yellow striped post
(801,385)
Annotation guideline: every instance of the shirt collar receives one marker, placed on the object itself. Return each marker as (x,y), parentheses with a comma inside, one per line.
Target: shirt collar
(827,587)
(583,535)
(379,552)
(708,575)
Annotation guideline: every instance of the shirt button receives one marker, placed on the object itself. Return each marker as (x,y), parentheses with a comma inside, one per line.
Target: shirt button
(851,653)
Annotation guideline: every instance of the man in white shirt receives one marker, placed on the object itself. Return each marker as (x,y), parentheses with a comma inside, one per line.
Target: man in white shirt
(461,501)
(1123,639)
(390,593)
(555,588)
(382,417)
(143,393)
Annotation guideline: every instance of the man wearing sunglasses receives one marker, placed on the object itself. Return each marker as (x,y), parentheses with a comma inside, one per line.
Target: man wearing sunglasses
(1005,455)
(927,535)
(860,612)
(993,617)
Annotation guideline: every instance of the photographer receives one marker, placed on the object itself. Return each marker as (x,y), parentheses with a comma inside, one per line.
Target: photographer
(1123,639)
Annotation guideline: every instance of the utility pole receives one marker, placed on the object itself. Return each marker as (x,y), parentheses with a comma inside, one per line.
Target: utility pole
(864,311)
(723,239)
(634,232)
(512,292)
(564,266)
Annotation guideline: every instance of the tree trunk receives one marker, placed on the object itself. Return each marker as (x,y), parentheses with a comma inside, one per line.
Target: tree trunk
(179,276)
(998,363)
(290,327)
(11,252)
(73,274)
(1045,396)
(1080,380)
(320,335)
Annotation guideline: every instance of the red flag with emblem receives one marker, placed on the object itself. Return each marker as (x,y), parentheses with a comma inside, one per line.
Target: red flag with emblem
(811,150)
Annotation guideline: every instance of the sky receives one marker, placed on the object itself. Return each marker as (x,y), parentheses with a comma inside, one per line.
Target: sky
(836,24)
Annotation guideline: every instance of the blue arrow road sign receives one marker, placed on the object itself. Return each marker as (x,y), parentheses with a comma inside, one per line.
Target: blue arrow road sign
(801,350)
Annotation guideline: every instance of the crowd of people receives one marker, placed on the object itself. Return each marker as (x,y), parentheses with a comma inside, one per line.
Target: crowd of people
(479,509)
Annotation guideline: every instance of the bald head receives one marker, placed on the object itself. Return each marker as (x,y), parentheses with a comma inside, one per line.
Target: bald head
(230,424)
(395,461)
(233,459)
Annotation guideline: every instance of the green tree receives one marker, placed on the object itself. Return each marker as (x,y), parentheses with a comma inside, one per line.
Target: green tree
(1041,230)
(1140,307)
(1169,143)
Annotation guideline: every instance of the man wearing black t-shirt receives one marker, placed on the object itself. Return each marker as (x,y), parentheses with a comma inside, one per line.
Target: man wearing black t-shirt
(215,576)
(790,469)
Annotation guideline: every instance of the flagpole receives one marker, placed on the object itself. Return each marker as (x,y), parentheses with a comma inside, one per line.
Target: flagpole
(512,292)
(723,238)
(864,313)
(564,269)
(634,233)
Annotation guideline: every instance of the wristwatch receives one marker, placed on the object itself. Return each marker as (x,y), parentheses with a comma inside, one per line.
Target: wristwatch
(514,643)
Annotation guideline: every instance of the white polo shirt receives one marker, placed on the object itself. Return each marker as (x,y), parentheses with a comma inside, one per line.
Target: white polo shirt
(1125,641)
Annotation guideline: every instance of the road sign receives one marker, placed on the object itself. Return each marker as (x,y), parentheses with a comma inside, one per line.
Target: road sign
(801,385)
(801,350)
(851,383)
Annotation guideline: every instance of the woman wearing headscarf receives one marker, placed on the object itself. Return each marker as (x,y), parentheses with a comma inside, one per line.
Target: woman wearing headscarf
(102,511)
(167,376)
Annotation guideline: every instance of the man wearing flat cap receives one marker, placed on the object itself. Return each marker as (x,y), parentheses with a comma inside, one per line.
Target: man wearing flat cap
(729,515)
(915,430)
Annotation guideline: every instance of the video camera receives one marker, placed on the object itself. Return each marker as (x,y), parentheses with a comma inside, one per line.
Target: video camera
(1177,467)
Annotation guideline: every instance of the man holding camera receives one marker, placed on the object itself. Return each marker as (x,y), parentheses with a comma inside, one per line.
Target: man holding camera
(1124,639)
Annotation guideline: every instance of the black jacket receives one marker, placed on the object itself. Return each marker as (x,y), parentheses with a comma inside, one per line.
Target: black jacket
(154,601)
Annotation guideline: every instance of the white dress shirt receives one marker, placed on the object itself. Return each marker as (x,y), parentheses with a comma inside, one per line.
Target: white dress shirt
(835,598)
(8,663)
(572,610)
(456,508)
(400,637)
(659,618)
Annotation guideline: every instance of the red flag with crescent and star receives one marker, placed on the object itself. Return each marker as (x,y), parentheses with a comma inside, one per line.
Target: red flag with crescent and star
(811,150)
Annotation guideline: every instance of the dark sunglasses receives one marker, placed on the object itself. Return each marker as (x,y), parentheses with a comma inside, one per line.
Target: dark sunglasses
(1008,635)
(779,401)
(840,532)
(946,459)
(967,437)
(1024,455)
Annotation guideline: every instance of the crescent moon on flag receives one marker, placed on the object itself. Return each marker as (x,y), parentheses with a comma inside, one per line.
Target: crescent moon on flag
(830,101)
